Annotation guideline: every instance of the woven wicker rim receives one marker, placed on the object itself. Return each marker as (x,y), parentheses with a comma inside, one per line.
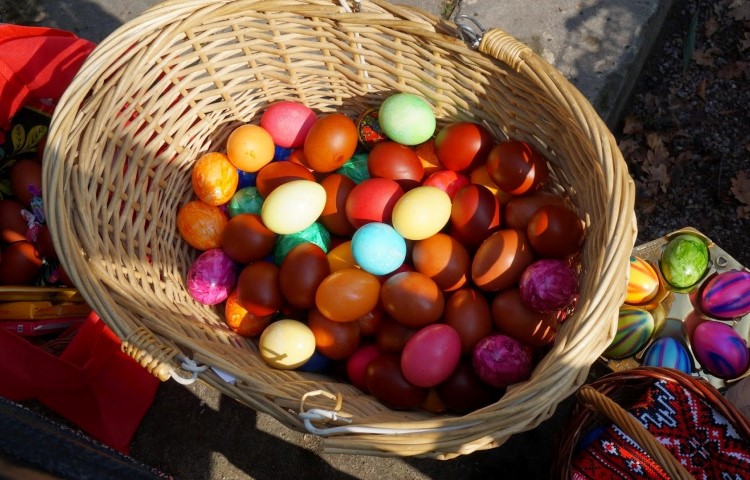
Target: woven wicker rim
(172,83)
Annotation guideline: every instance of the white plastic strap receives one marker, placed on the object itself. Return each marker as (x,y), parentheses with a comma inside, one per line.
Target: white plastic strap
(189,365)
(317,414)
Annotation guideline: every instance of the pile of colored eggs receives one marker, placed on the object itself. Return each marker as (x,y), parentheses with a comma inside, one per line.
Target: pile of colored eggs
(706,339)
(431,265)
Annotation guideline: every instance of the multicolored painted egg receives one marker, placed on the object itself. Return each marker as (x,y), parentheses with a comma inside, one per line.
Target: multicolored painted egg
(684,261)
(726,295)
(668,352)
(643,283)
(720,350)
(634,329)
(369,130)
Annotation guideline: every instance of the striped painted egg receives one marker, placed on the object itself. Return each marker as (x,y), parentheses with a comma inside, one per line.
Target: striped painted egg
(727,295)
(634,329)
(720,350)
(643,283)
(668,352)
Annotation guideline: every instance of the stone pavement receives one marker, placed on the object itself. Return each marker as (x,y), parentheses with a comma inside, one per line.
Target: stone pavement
(196,433)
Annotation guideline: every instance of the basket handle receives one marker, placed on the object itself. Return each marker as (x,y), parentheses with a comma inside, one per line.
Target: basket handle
(504,47)
(602,404)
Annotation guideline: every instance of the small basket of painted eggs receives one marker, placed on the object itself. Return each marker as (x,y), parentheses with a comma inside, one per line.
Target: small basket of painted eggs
(687,307)
(350,221)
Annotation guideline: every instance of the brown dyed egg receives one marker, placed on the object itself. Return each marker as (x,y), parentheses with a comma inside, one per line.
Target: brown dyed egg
(278,173)
(391,336)
(386,383)
(529,327)
(335,340)
(468,312)
(555,231)
(475,214)
(444,259)
(333,217)
(44,243)
(12,224)
(245,238)
(517,167)
(26,180)
(464,392)
(396,161)
(20,264)
(258,288)
(301,272)
(370,322)
(501,259)
(519,209)
(412,299)
(347,294)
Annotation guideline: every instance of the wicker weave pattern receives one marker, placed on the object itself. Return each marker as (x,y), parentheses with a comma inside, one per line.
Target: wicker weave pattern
(173,83)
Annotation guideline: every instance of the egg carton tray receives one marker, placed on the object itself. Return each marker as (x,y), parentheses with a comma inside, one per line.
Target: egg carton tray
(677,309)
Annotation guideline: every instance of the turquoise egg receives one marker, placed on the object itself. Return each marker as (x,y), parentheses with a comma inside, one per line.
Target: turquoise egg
(634,329)
(378,248)
(668,352)
(315,233)
(684,261)
(355,168)
(245,200)
(407,119)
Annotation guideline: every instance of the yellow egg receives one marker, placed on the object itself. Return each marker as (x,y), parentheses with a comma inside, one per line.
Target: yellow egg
(340,257)
(293,206)
(286,344)
(421,212)
(643,284)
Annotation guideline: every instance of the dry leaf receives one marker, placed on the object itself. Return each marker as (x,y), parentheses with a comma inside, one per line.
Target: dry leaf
(700,89)
(711,26)
(743,212)
(734,70)
(632,125)
(745,43)
(740,10)
(656,144)
(705,58)
(741,187)
(658,174)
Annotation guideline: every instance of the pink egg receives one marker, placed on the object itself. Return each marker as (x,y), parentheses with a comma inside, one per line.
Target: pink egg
(212,277)
(500,360)
(548,285)
(356,365)
(288,123)
(431,355)
(448,181)
(720,350)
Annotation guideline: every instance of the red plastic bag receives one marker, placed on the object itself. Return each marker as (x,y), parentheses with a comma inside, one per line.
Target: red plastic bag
(92,383)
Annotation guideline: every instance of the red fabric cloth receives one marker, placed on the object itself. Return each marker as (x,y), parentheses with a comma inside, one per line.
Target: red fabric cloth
(36,63)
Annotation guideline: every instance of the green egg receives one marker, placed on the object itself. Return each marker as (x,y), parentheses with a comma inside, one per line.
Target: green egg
(245,200)
(684,261)
(315,233)
(356,168)
(407,119)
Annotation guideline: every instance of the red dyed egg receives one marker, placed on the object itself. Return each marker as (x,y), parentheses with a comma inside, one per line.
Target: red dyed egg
(555,231)
(431,355)
(356,365)
(412,299)
(12,224)
(20,264)
(448,181)
(475,214)
(386,383)
(468,312)
(241,321)
(301,273)
(337,189)
(501,260)
(444,259)
(516,167)
(278,173)
(463,145)
(372,200)
(397,162)
(392,336)
(463,391)
(370,322)
(258,288)
(288,123)
(519,209)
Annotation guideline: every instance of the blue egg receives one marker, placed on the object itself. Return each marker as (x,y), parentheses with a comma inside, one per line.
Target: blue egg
(247,179)
(668,352)
(378,248)
(317,363)
(281,153)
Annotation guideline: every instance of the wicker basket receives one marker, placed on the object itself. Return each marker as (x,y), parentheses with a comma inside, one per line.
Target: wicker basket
(606,401)
(174,82)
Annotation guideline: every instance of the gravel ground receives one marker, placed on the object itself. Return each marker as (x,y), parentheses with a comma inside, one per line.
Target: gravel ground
(686,137)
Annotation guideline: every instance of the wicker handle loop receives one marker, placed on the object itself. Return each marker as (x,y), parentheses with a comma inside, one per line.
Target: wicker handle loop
(503,47)
(602,404)
(154,356)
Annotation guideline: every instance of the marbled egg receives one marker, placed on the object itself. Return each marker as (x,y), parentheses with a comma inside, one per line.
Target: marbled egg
(720,350)
(726,295)
(634,329)
(684,261)
(668,352)
(643,283)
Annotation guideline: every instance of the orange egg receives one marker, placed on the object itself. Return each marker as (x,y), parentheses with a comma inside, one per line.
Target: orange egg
(335,340)
(330,142)
(201,225)
(426,153)
(241,321)
(250,147)
(278,173)
(340,257)
(346,295)
(214,178)
(444,259)
(413,299)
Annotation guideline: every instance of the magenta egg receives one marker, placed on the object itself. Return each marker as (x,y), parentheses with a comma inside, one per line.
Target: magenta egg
(726,295)
(548,285)
(500,360)
(431,355)
(720,350)
(212,277)
(288,123)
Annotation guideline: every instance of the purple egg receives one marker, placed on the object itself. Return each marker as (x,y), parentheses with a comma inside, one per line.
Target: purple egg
(212,277)
(500,360)
(727,295)
(548,285)
(720,350)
